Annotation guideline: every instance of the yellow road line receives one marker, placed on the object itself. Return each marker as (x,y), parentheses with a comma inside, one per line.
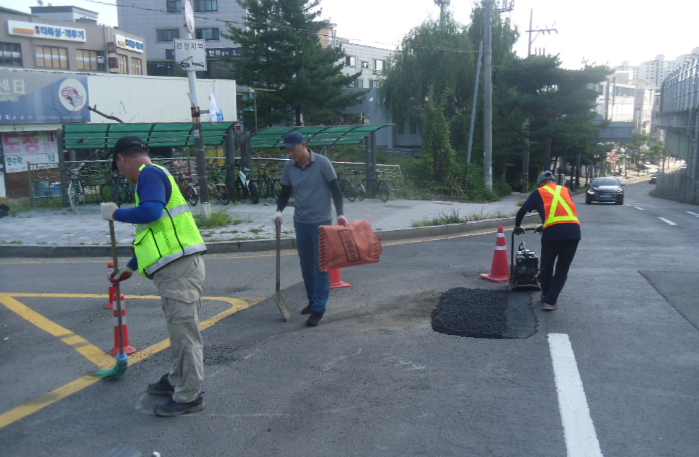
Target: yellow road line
(81,345)
(66,335)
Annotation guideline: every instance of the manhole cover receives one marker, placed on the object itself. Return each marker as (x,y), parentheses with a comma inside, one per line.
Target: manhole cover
(481,313)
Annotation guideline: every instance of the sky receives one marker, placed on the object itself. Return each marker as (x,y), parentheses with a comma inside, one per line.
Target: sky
(597,31)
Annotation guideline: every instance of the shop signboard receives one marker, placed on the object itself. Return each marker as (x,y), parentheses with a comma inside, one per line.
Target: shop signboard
(46,31)
(42,98)
(22,148)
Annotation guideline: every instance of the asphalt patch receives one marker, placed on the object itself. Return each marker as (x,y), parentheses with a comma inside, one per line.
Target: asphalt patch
(482,313)
(218,354)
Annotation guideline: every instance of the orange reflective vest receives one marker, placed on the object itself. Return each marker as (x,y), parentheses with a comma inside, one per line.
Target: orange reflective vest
(558,205)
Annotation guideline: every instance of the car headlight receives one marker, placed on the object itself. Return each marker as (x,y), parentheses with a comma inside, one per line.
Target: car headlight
(591,191)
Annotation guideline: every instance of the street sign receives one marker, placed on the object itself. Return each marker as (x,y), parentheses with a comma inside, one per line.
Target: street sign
(190,54)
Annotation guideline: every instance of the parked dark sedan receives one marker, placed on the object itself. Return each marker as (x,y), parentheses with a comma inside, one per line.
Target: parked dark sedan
(605,190)
(654,177)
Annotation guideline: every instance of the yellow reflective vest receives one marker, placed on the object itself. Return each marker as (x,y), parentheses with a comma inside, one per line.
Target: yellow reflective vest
(167,239)
(558,205)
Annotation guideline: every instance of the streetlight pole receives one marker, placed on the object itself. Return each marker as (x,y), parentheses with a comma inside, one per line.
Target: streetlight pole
(488,100)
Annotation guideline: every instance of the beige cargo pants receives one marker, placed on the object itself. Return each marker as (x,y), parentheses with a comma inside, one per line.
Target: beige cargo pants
(180,285)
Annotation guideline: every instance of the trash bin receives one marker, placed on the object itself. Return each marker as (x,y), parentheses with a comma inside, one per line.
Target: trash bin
(41,188)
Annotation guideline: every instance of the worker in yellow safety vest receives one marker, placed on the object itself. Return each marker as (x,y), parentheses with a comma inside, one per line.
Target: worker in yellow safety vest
(560,235)
(168,248)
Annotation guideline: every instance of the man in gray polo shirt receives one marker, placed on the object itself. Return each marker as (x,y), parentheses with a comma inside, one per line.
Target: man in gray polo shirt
(314,182)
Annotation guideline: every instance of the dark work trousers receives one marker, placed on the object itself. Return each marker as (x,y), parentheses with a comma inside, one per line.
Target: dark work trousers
(552,282)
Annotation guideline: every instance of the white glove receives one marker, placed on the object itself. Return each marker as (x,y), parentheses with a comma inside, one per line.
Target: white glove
(277,217)
(108,210)
(121,275)
(342,220)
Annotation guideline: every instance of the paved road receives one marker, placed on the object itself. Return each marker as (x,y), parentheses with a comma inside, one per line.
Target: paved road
(374,378)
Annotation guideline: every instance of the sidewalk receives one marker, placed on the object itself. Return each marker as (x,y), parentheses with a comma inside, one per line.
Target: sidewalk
(64,233)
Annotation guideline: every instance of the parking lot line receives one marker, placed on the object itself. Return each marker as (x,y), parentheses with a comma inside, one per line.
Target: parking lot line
(91,352)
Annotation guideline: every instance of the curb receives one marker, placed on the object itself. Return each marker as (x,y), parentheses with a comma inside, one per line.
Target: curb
(222,247)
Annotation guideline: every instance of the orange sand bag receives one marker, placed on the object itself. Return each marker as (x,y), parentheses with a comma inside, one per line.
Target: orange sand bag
(342,247)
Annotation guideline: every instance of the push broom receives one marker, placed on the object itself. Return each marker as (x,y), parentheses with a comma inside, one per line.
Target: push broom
(122,360)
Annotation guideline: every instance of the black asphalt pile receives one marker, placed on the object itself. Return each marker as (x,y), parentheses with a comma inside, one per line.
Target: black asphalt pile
(482,313)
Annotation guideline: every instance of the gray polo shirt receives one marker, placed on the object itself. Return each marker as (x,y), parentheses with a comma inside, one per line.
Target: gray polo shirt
(312,196)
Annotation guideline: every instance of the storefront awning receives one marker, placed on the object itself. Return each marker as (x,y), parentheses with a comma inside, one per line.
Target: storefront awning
(103,136)
(315,135)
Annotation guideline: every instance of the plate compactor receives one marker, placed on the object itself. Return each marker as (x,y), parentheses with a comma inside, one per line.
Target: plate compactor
(524,269)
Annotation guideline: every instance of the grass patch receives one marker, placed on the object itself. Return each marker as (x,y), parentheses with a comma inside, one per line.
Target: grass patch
(217,220)
(256,230)
(443,219)
(24,204)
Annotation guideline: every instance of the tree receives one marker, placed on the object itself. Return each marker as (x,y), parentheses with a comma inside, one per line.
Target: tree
(281,53)
(559,104)
(437,155)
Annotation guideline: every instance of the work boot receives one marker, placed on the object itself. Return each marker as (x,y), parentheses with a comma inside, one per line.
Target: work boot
(172,408)
(162,387)
(308,309)
(315,319)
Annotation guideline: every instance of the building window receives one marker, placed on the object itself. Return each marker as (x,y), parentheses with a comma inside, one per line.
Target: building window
(373,83)
(378,67)
(136,66)
(123,64)
(206,5)
(167,34)
(51,57)
(360,83)
(350,61)
(413,127)
(207,34)
(90,60)
(10,55)
(174,6)
(365,64)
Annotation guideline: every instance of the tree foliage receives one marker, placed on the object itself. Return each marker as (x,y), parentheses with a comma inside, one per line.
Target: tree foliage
(281,53)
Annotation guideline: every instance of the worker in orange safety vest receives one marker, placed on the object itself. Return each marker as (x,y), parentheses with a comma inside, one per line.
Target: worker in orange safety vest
(560,235)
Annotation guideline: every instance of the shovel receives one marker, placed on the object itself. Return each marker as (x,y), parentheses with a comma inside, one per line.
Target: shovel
(278,295)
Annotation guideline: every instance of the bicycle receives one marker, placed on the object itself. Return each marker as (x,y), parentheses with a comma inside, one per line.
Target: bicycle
(347,188)
(76,187)
(377,186)
(184,184)
(268,182)
(245,187)
(359,185)
(218,186)
(117,190)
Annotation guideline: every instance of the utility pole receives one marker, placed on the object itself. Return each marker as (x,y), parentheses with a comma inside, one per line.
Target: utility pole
(488,100)
(537,31)
(188,15)
(475,100)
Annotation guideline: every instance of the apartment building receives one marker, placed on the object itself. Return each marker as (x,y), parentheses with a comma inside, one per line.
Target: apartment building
(47,39)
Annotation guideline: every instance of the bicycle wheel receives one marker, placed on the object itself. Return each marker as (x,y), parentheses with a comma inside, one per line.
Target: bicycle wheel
(234,191)
(191,194)
(348,190)
(361,191)
(254,193)
(112,192)
(276,189)
(264,188)
(383,191)
(222,193)
(72,196)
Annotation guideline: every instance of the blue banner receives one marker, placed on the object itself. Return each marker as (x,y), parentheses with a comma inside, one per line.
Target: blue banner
(42,98)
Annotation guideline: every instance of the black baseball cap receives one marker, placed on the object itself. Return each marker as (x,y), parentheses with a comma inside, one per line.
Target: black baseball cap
(124,143)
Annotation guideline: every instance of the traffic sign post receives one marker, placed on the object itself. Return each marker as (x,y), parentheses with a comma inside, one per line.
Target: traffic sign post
(191,60)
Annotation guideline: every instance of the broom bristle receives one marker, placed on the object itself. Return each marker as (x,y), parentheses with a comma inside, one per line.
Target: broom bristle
(119,369)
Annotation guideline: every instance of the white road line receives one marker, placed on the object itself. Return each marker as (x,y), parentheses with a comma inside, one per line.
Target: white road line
(578,429)
(693,214)
(667,221)
(639,208)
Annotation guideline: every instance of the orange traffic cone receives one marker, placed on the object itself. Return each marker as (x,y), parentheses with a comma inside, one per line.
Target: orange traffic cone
(336,281)
(128,349)
(112,291)
(500,271)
